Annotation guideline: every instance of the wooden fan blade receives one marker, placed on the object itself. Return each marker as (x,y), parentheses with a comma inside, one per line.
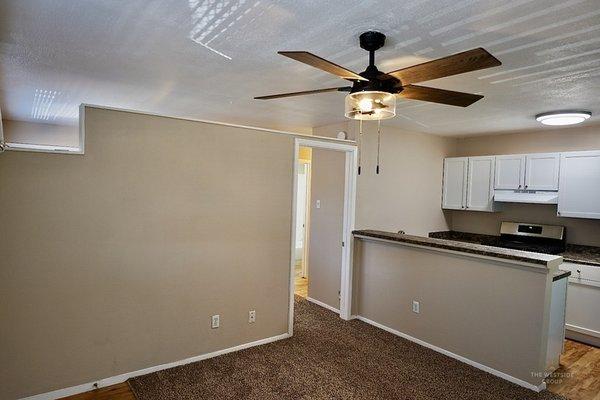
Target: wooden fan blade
(467,61)
(321,63)
(276,96)
(441,96)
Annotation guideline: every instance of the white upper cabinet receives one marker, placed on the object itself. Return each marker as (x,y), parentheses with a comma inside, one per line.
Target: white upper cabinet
(480,184)
(579,193)
(468,183)
(510,172)
(541,171)
(455,183)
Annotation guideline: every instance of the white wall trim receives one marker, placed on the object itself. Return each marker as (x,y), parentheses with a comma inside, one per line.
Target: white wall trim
(42,148)
(255,128)
(584,331)
(113,380)
(320,303)
(465,360)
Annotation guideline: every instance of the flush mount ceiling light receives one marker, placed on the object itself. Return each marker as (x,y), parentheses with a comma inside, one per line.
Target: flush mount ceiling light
(558,118)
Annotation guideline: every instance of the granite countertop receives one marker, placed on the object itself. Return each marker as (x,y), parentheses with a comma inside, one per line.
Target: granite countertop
(560,274)
(574,253)
(462,246)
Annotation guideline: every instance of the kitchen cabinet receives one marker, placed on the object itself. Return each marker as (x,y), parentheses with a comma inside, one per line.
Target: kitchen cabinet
(510,172)
(579,193)
(542,171)
(480,184)
(468,183)
(454,183)
(539,171)
(582,317)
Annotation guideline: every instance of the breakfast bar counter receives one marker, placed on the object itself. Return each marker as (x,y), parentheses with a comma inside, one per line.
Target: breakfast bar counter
(551,262)
(500,310)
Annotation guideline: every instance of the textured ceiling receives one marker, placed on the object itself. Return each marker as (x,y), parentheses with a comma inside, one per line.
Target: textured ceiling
(207,58)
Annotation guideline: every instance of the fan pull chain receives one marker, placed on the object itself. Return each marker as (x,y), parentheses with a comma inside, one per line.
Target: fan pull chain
(360,132)
(378,143)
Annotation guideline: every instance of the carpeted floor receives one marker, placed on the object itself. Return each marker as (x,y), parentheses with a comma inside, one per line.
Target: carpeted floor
(328,358)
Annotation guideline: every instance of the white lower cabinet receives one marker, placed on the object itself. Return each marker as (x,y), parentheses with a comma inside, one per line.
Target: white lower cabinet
(468,183)
(583,299)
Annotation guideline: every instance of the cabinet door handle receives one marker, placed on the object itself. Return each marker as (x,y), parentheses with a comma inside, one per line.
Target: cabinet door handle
(526,186)
(519,186)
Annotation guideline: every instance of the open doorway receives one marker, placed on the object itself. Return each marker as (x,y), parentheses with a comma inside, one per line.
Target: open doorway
(303,183)
(332,252)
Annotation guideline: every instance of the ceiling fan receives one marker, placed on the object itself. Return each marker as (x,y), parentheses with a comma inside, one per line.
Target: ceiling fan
(373,93)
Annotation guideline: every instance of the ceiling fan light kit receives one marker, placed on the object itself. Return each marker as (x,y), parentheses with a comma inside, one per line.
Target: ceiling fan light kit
(370,105)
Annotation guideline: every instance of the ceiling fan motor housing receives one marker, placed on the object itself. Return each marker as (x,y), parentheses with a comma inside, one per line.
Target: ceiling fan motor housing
(377,80)
(371,40)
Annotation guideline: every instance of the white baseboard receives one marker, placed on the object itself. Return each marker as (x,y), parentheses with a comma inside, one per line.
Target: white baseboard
(583,331)
(475,364)
(320,303)
(113,380)
(583,335)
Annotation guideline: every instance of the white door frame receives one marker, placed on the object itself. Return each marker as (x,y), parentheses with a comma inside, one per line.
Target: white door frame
(348,225)
(306,230)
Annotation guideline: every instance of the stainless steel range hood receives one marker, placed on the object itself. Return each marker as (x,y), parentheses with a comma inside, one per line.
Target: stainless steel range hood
(526,196)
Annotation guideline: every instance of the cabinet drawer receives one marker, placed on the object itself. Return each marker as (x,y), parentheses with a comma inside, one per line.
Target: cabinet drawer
(582,274)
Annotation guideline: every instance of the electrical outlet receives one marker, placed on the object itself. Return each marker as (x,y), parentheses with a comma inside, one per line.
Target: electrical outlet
(416,307)
(216,321)
(252,316)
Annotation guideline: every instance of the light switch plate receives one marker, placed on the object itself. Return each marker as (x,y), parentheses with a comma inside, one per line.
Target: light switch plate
(215,321)
(416,307)
(318,203)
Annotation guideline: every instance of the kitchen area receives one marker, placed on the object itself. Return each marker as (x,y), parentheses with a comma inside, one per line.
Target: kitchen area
(540,202)
(517,272)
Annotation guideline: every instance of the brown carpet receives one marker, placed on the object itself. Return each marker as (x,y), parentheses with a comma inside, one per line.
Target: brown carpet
(328,358)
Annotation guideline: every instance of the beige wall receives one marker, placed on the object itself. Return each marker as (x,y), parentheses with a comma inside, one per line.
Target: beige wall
(461,308)
(114,261)
(406,195)
(328,169)
(580,231)
(547,140)
(42,134)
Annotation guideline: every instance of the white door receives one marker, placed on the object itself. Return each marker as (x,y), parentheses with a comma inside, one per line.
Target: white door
(579,193)
(454,183)
(541,172)
(480,186)
(510,172)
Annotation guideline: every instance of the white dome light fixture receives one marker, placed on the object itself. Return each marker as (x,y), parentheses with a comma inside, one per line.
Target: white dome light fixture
(560,118)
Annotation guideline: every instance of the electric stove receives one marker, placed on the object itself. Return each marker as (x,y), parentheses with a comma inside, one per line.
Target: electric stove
(548,239)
